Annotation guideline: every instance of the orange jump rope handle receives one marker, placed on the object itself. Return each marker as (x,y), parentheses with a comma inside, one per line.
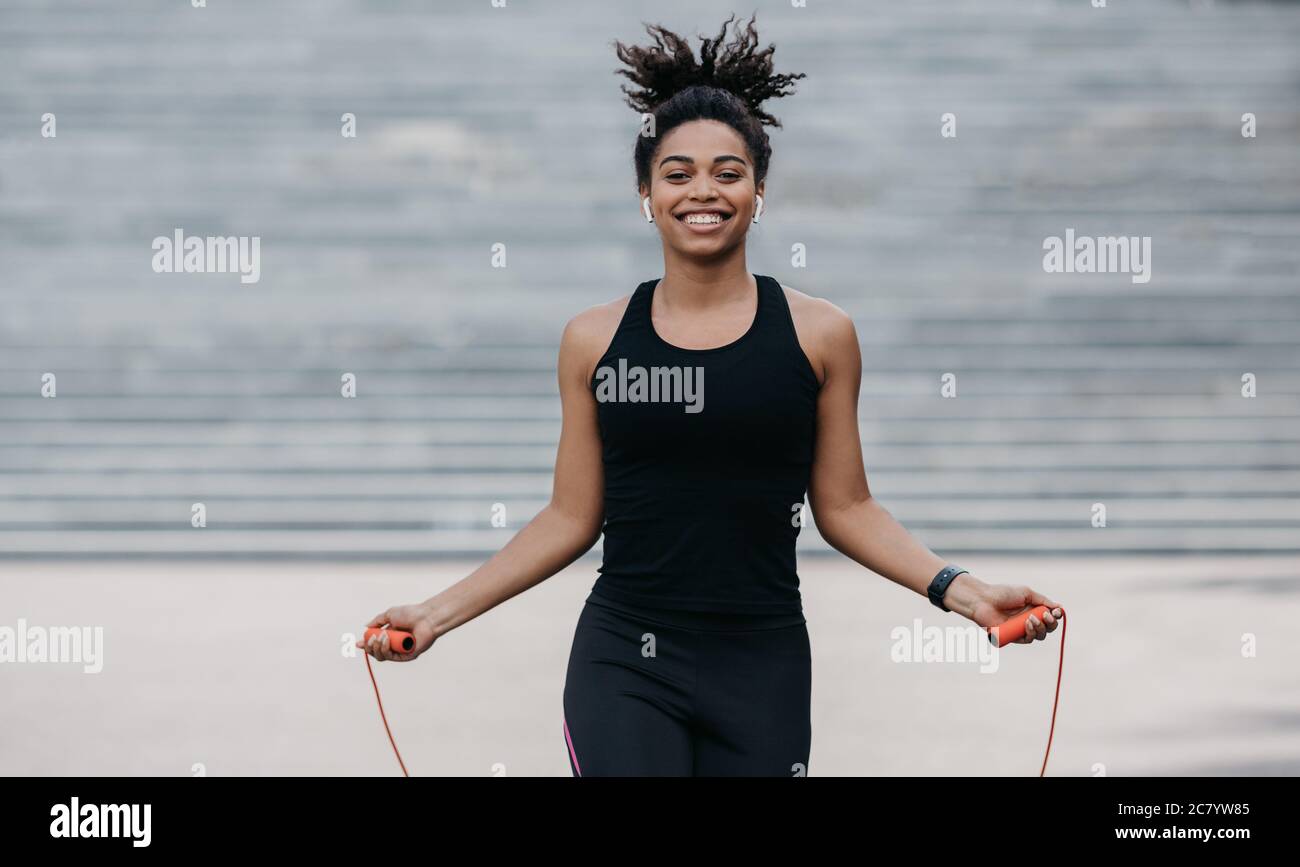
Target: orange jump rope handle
(404,642)
(1014,629)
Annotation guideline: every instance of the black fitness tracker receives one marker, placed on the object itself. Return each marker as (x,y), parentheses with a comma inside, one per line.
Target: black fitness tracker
(939,585)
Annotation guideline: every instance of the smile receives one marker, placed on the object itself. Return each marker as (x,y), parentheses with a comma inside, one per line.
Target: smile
(704,221)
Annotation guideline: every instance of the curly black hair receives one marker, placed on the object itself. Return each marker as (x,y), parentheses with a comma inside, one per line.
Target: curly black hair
(675,88)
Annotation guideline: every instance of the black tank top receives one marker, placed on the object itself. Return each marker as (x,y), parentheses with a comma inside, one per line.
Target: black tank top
(707,455)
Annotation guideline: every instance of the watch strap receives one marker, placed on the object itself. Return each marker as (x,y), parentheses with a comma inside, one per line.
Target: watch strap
(939,585)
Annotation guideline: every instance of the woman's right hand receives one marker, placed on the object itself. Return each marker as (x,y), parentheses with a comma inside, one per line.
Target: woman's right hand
(414,619)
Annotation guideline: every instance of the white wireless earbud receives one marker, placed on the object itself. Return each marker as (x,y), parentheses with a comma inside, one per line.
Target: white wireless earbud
(645,206)
(758,207)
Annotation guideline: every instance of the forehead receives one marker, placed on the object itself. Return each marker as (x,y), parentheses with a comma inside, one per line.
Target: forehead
(702,140)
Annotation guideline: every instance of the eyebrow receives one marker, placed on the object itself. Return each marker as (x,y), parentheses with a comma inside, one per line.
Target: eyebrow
(721,158)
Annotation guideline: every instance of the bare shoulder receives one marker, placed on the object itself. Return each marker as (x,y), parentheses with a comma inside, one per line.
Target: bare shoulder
(824,328)
(596,324)
(818,314)
(588,334)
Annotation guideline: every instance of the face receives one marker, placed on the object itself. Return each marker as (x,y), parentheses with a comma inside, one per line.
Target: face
(702,187)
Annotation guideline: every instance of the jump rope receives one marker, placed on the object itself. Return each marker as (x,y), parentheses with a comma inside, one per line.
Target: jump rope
(999,636)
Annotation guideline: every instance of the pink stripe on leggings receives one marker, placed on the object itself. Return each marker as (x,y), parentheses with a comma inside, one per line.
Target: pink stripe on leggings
(569,740)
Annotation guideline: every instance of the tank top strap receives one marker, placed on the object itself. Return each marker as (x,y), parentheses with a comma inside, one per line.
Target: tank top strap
(778,326)
(632,327)
(637,315)
(773,311)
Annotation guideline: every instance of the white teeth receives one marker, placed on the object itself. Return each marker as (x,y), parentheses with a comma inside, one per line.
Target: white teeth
(704,218)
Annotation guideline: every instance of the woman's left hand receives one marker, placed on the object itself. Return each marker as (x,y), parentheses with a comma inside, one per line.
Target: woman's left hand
(1000,602)
(414,619)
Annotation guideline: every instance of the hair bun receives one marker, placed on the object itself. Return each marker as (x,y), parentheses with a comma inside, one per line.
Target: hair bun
(669,67)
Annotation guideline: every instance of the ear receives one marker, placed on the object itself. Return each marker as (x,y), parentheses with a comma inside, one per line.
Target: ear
(759,189)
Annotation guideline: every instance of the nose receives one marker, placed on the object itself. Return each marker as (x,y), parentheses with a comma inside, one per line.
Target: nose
(703,187)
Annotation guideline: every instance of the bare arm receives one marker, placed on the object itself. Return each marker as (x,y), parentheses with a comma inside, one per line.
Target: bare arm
(560,533)
(857,525)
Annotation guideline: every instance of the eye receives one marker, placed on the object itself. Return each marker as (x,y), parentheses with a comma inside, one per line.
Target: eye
(728,175)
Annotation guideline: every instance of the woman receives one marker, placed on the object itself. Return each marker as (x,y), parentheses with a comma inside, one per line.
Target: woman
(697,412)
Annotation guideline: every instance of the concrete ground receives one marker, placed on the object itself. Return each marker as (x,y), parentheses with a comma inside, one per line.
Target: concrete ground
(237,667)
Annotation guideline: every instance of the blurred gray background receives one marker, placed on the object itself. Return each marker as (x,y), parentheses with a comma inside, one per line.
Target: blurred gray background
(479,126)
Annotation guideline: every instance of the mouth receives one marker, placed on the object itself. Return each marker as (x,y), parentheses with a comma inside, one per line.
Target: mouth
(703,222)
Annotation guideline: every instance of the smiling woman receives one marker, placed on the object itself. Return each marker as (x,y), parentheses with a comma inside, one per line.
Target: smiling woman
(727,94)
(691,655)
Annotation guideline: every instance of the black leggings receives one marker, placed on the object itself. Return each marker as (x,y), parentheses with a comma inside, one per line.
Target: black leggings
(727,696)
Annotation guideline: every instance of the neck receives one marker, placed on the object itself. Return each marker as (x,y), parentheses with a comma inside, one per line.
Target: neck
(691,283)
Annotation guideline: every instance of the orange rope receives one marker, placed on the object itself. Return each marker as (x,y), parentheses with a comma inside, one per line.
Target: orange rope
(1060,666)
(1041,771)
(383,716)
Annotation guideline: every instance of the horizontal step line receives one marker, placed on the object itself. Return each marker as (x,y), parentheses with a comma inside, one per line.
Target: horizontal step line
(965,442)
(1110,496)
(415,421)
(461,469)
(434,555)
(381,527)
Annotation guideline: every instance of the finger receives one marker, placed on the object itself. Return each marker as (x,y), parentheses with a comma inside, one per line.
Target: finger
(380,619)
(1033,627)
(1029,630)
(1049,621)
